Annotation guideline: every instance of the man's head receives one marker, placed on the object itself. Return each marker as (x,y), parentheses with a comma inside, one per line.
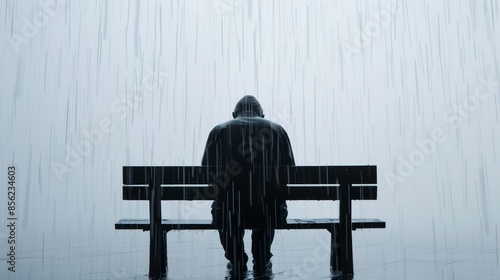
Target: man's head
(248,104)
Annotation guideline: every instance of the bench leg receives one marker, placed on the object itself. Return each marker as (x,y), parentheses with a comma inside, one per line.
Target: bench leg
(165,249)
(158,254)
(345,231)
(158,238)
(335,254)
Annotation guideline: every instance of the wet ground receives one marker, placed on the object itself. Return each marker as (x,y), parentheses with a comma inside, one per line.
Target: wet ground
(297,255)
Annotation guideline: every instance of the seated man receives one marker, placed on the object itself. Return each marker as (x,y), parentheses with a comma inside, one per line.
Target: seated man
(255,150)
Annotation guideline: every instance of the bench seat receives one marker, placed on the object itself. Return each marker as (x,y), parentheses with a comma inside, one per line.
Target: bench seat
(322,223)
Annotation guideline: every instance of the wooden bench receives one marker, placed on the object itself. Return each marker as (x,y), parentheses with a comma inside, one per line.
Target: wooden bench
(343,183)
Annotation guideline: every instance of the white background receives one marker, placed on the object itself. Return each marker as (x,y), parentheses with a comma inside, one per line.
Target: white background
(189,62)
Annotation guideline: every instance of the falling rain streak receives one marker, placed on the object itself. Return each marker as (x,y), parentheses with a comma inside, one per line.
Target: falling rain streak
(412,87)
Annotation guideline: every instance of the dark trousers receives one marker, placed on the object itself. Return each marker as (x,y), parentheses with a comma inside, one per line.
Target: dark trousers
(233,230)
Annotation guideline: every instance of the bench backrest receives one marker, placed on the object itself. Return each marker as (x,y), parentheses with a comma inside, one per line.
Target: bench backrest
(304,182)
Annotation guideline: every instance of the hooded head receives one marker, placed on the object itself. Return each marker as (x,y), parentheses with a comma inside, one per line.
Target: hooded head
(248,105)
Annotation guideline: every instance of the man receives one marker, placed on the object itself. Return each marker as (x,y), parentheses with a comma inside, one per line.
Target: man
(250,152)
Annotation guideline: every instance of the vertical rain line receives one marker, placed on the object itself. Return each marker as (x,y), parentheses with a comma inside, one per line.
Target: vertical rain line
(136,29)
(43,251)
(496,235)
(434,242)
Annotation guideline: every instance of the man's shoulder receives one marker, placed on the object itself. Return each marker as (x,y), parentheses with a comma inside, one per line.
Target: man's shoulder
(259,123)
(274,126)
(254,121)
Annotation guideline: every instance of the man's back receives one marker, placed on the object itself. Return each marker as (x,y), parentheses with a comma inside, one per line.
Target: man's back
(257,148)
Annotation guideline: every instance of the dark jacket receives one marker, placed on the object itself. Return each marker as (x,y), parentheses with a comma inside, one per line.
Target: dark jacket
(248,153)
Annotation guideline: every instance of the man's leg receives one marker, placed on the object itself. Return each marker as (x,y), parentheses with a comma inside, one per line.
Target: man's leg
(262,240)
(234,247)
(231,238)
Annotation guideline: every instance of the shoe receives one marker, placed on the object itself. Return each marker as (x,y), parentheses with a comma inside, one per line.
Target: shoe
(230,267)
(262,266)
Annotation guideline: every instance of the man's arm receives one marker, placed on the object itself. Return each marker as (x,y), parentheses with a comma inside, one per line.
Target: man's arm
(212,157)
(209,153)
(286,159)
(286,151)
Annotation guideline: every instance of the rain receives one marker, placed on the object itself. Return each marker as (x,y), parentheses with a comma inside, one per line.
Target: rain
(87,87)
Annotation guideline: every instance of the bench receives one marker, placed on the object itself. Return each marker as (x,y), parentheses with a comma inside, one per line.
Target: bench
(343,183)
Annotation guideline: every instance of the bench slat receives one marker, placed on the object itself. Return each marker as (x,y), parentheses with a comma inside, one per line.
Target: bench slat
(293,193)
(139,175)
(143,224)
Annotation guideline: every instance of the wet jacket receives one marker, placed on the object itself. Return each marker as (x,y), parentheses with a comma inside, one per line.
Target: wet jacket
(248,153)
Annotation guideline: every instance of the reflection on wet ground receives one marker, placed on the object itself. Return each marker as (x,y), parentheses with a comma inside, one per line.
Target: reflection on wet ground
(297,255)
